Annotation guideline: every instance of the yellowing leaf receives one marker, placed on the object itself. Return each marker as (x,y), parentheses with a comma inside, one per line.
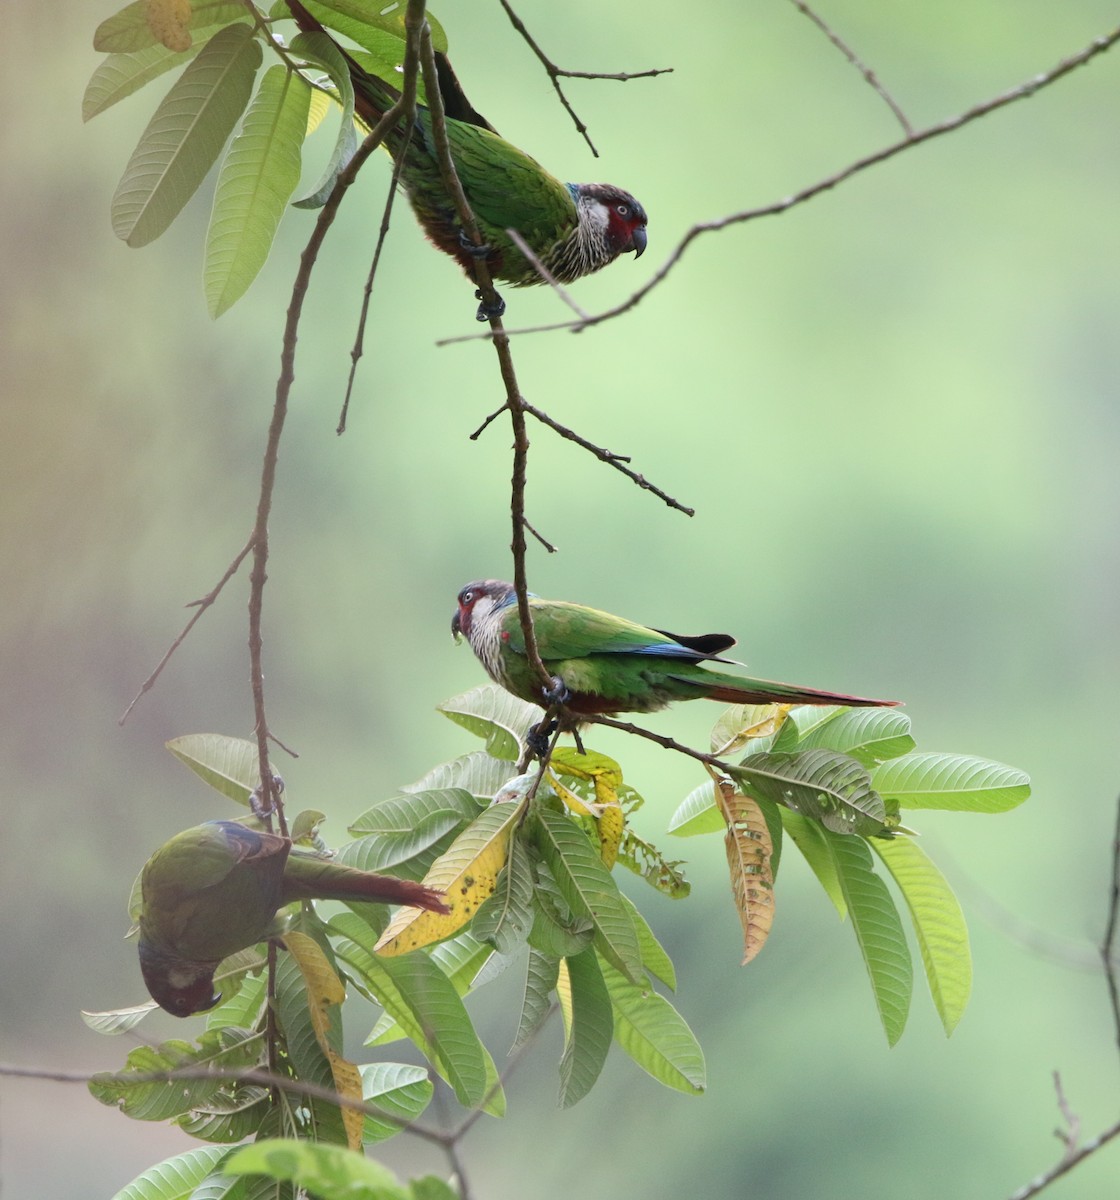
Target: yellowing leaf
(466,873)
(170,23)
(605,776)
(743,723)
(749,849)
(325,990)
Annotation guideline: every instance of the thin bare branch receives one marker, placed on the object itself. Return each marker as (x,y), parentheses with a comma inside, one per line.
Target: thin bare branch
(514,401)
(545,273)
(555,74)
(1069,1161)
(618,461)
(856,62)
(200,606)
(540,538)
(1024,90)
(1110,954)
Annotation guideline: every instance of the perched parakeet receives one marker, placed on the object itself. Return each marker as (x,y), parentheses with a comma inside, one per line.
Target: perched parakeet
(606,664)
(572,228)
(215,889)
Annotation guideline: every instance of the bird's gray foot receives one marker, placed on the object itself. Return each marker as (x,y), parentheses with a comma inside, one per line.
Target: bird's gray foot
(538,737)
(489,312)
(557,694)
(257,801)
(472,248)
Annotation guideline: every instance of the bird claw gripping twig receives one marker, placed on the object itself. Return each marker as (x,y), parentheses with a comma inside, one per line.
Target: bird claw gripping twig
(488,312)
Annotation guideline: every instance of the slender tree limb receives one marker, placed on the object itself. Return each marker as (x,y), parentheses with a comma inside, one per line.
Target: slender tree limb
(1110,955)
(618,461)
(514,402)
(854,59)
(1069,1161)
(1022,92)
(404,108)
(555,74)
(200,606)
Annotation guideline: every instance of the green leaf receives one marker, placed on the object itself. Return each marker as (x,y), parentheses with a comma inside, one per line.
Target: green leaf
(478,773)
(742,724)
(319,48)
(185,135)
(952,781)
(809,837)
(654,958)
(423,1001)
(175,1178)
(589,1025)
(431,1187)
(257,179)
(128,30)
(330,1172)
(146,1099)
(506,915)
(120,75)
(878,929)
(357,19)
(938,923)
(229,765)
(697,813)
(589,890)
(540,981)
(399,1090)
(118,1020)
(655,1035)
(828,787)
(868,735)
(421,813)
(490,712)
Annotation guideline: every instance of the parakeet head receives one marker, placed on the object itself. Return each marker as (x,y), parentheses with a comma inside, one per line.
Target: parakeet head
(476,601)
(179,987)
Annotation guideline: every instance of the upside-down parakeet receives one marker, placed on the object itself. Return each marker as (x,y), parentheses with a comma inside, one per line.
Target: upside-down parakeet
(606,664)
(572,228)
(216,889)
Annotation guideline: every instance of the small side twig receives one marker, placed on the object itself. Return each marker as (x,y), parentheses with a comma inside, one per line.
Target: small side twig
(1109,954)
(618,461)
(555,74)
(200,606)
(856,62)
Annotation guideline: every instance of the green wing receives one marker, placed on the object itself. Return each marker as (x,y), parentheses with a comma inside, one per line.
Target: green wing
(572,631)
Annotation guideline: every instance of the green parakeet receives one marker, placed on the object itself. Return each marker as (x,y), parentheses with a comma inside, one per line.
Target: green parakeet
(216,889)
(605,664)
(572,228)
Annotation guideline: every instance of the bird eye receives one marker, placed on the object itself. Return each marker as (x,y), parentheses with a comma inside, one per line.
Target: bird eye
(467,597)
(623,210)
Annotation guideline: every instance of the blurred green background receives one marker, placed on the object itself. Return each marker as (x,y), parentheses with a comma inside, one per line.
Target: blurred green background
(895,412)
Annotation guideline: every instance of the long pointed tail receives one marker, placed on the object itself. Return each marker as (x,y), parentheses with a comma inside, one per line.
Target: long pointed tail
(307,878)
(732,690)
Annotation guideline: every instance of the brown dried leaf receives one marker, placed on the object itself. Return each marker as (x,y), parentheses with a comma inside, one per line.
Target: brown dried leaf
(749,850)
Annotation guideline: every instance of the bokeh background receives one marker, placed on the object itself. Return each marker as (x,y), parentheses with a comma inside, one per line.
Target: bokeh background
(895,411)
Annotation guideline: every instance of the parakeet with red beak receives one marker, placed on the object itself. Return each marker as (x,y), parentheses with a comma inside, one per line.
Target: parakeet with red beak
(216,889)
(572,228)
(603,664)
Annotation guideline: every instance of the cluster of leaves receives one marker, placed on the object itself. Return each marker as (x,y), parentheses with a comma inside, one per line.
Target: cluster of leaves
(525,862)
(221,44)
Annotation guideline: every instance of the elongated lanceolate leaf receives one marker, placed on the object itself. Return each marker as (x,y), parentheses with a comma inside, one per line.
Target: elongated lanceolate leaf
(319,48)
(120,75)
(828,787)
(176,1178)
(655,1035)
(654,958)
(229,765)
(589,890)
(357,18)
(742,724)
(490,712)
(952,781)
(327,1172)
(256,181)
(541,974)
(399,1090)
(697,813)
(128,30)
(878,930)
(809,837)
(588,1023)
(478,773)
(938,923)
(869,735)
(185,135)
(506,916)
(749,851)
(467,874)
